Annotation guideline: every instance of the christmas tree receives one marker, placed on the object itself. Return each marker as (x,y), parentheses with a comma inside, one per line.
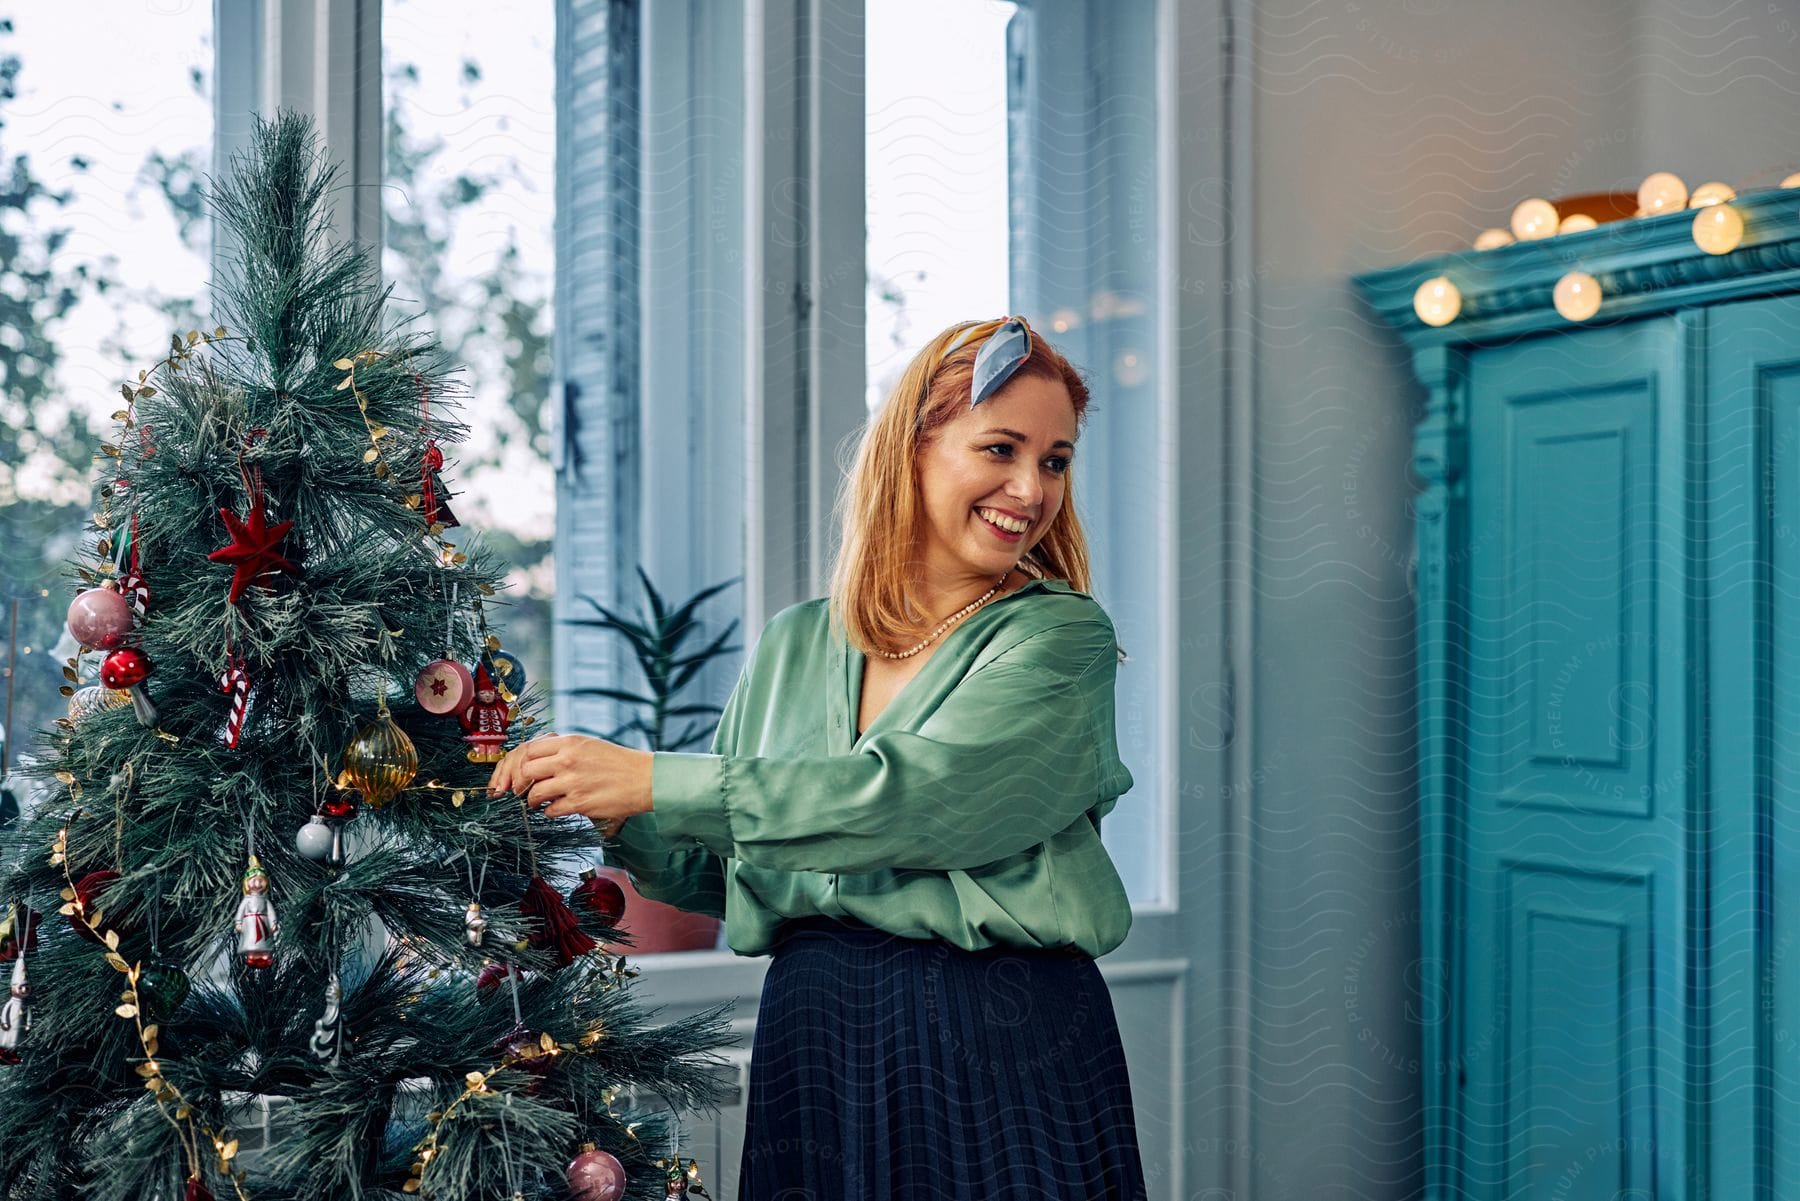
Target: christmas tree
(300,952)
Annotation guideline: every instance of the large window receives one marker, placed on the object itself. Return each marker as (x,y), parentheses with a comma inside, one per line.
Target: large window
(468,216)
(1011,168)
(720,354)
(105,132)
(936,167)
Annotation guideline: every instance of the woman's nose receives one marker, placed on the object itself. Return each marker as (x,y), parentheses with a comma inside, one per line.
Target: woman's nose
(1025,487)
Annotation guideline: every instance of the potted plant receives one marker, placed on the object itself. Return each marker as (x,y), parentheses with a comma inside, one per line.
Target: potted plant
(657,640)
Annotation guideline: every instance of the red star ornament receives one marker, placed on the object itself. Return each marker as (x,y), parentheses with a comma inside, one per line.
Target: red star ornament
(253,549)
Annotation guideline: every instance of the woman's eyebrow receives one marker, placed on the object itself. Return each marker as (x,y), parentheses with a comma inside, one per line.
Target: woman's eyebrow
(1016,435)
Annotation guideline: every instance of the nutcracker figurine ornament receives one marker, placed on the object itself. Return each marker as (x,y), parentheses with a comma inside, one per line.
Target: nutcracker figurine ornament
(484,722)
(15,1017)
(256,922)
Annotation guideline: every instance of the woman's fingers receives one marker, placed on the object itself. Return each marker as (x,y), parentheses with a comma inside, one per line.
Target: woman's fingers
(559,774)
(509,774)
(497,782)
(547,788)
(564,806)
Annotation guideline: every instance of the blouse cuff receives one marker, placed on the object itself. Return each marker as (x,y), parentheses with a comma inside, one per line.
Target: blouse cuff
(687,794)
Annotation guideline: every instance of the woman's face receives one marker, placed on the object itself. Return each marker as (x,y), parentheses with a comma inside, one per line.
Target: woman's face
(1008,456)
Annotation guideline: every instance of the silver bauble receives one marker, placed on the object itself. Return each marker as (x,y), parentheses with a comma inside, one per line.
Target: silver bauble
(314,840)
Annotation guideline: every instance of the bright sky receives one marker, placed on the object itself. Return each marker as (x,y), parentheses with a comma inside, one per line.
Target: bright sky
(109,91)
(507,128)
(936,171)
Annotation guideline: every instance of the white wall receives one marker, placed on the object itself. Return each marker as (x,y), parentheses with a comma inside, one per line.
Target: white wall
(1720,89)
(1384,130)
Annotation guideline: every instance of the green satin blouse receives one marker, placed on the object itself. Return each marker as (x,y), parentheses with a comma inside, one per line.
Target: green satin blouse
(969,810)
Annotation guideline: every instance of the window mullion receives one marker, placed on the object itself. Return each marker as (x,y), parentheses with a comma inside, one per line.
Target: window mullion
(803,288)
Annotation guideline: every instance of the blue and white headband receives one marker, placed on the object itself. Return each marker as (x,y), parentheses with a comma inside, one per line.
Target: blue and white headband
(1004,352)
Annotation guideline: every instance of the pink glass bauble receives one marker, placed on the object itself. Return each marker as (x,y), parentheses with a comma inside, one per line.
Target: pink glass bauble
(596,1176)
(444,687)
(100,618)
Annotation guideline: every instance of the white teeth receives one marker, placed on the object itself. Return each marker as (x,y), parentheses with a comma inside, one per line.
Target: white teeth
(1011,525)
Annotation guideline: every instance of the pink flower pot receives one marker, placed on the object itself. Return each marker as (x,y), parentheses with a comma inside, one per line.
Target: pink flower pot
(656,926)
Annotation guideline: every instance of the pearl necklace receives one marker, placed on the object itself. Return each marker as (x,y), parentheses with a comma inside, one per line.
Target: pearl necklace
(962,612)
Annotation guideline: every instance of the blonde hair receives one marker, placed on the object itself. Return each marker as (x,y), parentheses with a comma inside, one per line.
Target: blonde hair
(880,507)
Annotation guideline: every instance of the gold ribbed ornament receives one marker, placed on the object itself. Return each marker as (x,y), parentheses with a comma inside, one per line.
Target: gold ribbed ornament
(380,761)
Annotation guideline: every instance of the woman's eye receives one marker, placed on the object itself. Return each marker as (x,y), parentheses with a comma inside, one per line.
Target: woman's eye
(1062,463)
(1058,463)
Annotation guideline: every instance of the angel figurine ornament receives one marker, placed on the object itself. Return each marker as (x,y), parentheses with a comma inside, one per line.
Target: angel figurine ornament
(15,1017)
(256,922)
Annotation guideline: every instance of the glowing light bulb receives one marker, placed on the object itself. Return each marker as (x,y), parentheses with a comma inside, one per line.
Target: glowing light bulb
(1792,181)
(1130,369)
(1718,228)
(1574,223)
(1492,239)
(1661,192)
(1577,296)
(1437,302)
(1711,193)
(1533,218)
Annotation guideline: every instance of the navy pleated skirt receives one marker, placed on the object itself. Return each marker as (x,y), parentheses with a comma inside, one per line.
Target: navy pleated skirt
(895,1069)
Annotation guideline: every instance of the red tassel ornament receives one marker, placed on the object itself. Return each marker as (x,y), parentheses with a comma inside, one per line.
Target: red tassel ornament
(87,896)
(557,925)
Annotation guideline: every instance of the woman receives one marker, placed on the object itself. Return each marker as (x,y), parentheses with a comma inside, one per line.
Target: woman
(902,806)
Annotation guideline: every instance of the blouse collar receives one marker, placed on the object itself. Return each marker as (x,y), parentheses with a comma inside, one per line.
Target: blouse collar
(846,667)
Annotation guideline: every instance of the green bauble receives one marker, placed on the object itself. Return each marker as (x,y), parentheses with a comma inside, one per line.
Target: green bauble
(162,990)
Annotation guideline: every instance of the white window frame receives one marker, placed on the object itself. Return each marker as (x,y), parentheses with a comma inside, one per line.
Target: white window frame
(801,251)
(790,373)
(320,57)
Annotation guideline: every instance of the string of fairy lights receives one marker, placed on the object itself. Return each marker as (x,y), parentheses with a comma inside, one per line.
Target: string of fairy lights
(1718,228)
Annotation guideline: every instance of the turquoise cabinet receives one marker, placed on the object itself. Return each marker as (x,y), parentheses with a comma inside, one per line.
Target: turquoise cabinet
(1609,736)
(1576,783)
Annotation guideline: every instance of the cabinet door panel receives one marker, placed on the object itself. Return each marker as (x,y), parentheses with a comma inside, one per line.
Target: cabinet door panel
(1753,861)
(1579,767)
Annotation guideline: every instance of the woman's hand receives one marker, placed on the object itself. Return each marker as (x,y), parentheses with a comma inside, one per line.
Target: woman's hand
(577,773)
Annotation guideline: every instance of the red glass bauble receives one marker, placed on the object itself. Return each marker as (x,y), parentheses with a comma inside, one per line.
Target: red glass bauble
(600,895)
(524,1049)
(491,976)
(24,931)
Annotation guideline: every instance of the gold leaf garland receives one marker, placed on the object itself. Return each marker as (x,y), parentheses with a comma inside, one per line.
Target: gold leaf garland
(131,1009)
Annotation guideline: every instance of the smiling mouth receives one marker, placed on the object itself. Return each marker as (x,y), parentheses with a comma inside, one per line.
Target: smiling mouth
(1000,529)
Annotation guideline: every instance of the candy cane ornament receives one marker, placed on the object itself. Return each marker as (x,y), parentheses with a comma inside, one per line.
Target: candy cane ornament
(235,683)
(132,584)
